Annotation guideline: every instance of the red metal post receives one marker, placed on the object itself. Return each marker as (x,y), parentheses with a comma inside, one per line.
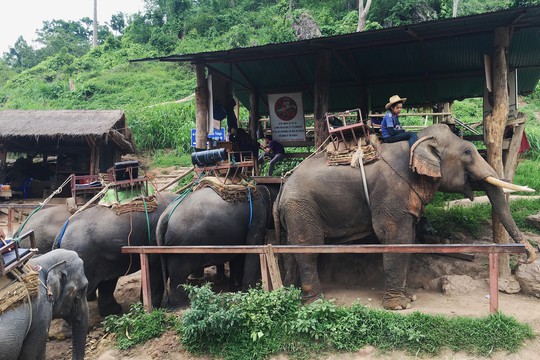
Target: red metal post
(493,282)
(145,283)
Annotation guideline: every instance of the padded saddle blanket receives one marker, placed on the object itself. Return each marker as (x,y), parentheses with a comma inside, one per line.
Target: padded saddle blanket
(229,191)
(128,200)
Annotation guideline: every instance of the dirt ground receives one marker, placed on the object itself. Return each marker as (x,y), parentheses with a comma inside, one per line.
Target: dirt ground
(475,303)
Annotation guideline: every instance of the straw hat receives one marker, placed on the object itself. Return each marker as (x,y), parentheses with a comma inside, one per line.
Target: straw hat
(394,99)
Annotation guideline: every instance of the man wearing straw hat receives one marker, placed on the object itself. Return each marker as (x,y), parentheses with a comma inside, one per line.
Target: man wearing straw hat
(391,129)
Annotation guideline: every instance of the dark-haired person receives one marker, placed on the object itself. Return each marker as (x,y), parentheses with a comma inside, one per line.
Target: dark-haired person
(391,128)
(274,150)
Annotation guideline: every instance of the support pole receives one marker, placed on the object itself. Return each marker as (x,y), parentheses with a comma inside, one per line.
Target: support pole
(201,100)
(321,90)
(493,282)
(145,283)
(494,128)
(253,114)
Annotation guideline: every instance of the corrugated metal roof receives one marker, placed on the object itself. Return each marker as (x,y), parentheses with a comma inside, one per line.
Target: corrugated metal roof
(428,62)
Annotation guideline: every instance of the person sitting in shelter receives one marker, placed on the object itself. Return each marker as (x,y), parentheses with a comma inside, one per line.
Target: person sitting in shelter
(391,128)
(274,150)
(452,125)
(244,141)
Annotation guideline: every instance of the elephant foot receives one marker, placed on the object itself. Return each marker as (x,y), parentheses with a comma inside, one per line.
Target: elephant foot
(310,295)
(394,300)
(110,309)
(412,296)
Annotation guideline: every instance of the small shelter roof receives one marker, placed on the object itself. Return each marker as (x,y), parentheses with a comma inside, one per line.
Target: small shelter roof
(429,62)
(49,124)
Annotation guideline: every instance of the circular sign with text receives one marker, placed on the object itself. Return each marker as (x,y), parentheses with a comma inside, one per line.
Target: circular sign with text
(285,108)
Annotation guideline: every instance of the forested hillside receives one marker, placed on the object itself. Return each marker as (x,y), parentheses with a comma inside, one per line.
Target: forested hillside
(65,72)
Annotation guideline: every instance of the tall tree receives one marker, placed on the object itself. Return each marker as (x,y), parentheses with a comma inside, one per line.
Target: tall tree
(362,14)
(95,32)
(454,8)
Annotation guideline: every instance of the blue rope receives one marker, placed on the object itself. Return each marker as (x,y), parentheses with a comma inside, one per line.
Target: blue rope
(250,207)
(59,243)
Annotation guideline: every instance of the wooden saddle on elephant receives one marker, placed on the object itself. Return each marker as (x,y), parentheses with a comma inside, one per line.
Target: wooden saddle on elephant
(351,141)
(224,164)
(13,256)
(231,190)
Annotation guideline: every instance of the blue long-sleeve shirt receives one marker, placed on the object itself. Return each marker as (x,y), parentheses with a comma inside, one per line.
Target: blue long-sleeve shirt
(389,121)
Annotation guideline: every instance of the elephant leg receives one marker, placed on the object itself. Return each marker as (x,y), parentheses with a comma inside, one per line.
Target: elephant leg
(178,272)
(91,296)
(236,271)
(307,233)
(157,280)
(396,266)
(220,273)
(290,266)
(107,304)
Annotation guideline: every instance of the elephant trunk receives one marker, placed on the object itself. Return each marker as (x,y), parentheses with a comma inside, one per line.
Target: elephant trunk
(79,327)
(500,205)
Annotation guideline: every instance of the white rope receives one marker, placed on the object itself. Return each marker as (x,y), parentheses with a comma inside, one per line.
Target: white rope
(57,191)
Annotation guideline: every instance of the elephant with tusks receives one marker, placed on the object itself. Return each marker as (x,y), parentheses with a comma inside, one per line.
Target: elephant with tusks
(321,204)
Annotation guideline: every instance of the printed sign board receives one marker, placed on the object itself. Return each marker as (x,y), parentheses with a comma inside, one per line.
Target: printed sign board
(218,134)
(287,117)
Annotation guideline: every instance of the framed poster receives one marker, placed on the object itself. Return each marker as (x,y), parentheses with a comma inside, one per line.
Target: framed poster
(287,117)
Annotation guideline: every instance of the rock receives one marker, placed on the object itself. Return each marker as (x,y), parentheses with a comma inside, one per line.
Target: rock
(528,276)
(509,285)
(533,220)
(459,284)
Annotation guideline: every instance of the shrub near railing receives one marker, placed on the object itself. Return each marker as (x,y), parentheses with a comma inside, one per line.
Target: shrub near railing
(257,324)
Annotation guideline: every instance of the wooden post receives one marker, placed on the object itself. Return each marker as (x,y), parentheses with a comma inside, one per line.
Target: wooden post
(253,114)
(321,90)
(145,283)
(494,125)
(264,273)
(493,282)
(201,101)
(3,158)
(512,157)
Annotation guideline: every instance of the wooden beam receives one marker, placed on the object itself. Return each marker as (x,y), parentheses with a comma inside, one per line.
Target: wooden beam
(201,100)
(253,114)
(321,90)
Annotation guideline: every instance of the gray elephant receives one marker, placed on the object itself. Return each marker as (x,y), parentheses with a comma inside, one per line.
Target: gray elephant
(325,204)
(62,294)
(204,218)
(46,223)
(97,234)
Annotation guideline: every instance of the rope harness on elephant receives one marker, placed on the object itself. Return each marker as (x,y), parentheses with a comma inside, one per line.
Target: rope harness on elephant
(17,286)
(41,205)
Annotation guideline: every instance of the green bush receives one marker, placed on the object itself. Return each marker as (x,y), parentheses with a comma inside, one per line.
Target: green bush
(137,326)
(257,324)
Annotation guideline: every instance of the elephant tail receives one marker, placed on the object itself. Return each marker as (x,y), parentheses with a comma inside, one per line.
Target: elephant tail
(161,229)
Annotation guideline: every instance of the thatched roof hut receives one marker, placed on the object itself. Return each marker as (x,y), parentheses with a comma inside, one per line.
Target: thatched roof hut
(93,138)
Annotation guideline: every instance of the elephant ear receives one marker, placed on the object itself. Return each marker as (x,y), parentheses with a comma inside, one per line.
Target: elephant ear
(55,274)
(424,158)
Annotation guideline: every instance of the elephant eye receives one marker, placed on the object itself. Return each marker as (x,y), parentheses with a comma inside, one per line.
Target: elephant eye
(468,152)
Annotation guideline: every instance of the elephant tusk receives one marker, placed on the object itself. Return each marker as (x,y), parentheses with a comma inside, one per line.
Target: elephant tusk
(507,185)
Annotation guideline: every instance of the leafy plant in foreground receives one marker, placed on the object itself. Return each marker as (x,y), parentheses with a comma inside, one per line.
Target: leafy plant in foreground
(137,326)
(257,324)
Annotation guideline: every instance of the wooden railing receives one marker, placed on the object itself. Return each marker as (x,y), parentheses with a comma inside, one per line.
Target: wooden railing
(271,278)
